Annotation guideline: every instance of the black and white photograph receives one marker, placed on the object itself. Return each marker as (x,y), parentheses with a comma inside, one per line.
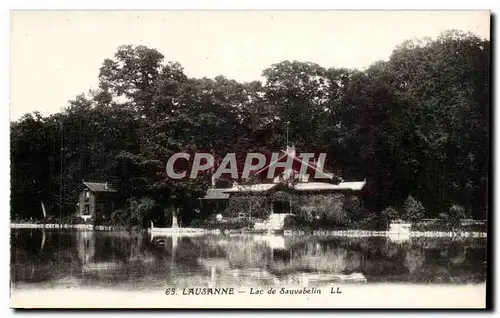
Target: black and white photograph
(249,159)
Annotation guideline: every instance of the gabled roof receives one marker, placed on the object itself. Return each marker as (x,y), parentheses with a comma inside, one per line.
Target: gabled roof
(312,186)
(332,181)
(300,187)
(290,152)
(99,187)
(215,194)
(262,187)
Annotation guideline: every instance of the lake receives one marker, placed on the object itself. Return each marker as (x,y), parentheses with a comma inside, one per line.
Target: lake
(130,261)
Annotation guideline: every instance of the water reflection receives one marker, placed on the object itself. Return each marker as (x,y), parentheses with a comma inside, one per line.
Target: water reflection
(125,260)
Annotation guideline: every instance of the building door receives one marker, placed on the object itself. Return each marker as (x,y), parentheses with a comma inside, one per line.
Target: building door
(281,202)
(280,207)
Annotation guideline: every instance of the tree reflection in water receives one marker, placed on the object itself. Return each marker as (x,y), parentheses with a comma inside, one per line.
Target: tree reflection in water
(127,260)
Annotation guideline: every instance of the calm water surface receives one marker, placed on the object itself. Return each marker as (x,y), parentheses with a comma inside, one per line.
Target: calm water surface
(54,258)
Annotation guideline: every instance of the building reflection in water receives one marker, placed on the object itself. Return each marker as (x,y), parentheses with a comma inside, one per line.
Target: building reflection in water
(96,258)
(399,237)
(85,245)
(274,259)
(93,257)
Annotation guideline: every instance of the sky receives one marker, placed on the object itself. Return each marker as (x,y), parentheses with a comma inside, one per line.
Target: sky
(56,55)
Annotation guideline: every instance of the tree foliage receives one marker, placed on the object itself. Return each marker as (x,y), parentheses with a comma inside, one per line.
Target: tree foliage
(391,213)
(134,213)
(414,210)
(454,217)
(416,124)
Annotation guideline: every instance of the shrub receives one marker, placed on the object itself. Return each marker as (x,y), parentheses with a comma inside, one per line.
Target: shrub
(134,213)
(457,212)
(104,220)
(413,210)
(445,225)
(391,213)
(296,222)
(435,225)
(454,216)
(352,206)
(289,222)
(257,205)
(373,222)
(328,207)
(73,219)
(234,224)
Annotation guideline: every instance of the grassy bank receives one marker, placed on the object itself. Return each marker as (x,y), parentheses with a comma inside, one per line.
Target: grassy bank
(69,222)
(376,223)
(62,226)
(375,226)
(362,233)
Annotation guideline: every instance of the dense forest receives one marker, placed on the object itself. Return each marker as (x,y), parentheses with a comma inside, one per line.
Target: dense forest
(417,124)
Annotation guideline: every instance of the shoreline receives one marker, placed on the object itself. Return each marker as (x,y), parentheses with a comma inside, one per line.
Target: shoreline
(61,226)
(342,233)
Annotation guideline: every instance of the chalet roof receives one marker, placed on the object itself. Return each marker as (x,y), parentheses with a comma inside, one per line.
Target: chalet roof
(290,152)
(351,185)
(99,187)
(332,181)
(215,194)
(306,186)
(262,187)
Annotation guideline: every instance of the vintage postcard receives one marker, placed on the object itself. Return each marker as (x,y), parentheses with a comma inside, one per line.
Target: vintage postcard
(249,159)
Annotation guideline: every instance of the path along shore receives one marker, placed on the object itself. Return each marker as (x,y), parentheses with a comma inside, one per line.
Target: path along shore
(348,233)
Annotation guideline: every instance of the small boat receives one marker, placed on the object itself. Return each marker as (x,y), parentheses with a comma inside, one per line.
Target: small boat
(253,231)
(184,231)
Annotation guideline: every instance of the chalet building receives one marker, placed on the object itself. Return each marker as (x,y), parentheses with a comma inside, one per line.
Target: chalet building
(286,193)
(96,199)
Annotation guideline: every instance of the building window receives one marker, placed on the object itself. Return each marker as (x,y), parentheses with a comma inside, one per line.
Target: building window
(86,210)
